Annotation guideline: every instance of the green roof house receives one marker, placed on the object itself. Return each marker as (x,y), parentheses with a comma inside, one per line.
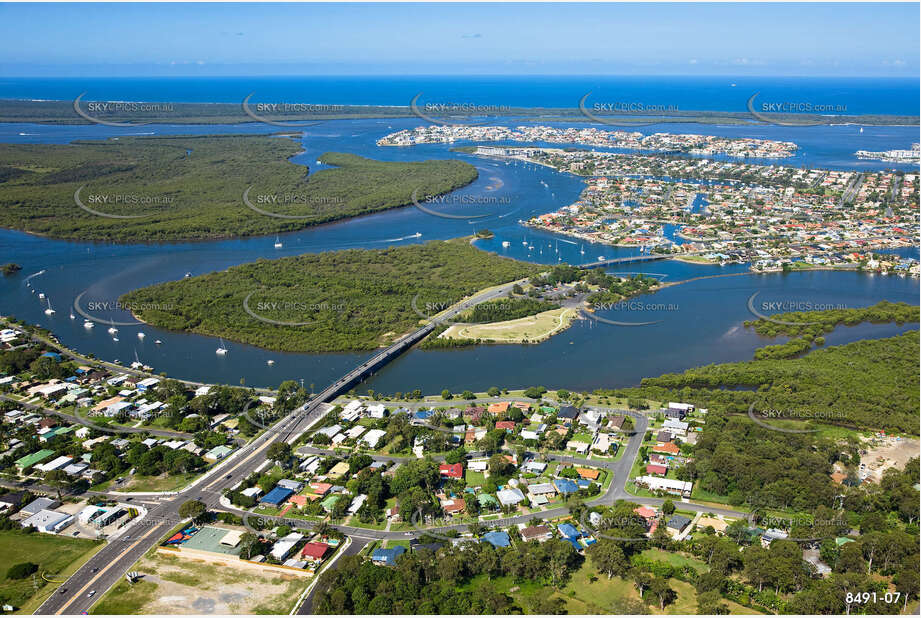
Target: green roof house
(34,458)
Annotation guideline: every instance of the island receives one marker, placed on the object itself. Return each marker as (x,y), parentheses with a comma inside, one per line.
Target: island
(158,189)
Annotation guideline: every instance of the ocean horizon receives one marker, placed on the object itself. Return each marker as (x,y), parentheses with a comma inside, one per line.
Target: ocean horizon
(841,95)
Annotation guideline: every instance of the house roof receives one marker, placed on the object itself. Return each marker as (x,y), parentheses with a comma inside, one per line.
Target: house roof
(533,532)
(277,495)
(314,550)
(569,531)
(497,538)
(454,471)
(565,486)
(656,469)
(388,555)
(588,473)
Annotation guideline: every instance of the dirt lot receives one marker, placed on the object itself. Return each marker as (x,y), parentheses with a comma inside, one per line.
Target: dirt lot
(178,585)
(887,452)
(533,328)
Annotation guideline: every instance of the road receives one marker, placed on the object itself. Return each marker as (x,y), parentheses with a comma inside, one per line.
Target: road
(111,563)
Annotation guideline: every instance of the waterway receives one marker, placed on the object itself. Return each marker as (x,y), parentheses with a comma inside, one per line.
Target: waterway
(694,324)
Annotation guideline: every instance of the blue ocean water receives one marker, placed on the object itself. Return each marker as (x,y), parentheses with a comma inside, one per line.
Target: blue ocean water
(856,95)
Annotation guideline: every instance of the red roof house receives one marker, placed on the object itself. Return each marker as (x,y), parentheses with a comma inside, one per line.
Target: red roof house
(453,471)
(656,469)
(314,552)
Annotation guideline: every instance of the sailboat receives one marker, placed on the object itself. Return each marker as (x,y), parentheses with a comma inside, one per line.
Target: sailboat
(72,316)
(158,342)
(221,350)
(113,330)
(278,244)
(88,324)
(270,362)
(582,249)
(861,130)
(49,310)
(141,335)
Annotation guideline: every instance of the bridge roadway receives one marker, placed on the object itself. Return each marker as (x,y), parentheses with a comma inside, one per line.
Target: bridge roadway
(107,567)
(626,260)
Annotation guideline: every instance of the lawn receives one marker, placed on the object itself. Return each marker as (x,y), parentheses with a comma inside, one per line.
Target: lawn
(167,482)
(676,559)
(474,479)
(55,556)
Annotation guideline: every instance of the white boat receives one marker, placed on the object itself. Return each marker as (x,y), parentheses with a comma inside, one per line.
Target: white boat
(269,362)
(158,342)
(41,295)
(524,242)
(49,310)
(221,350)
(141,335)
(506,243)
(600,258)
(72,316)
(417,235)
(115,339)
(187,275)
(278,244)
(88,324)
(113,330)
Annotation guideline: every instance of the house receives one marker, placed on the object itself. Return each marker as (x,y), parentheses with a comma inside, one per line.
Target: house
(677,523)
(387,556)
(452,471)
(678,410)
(675,426)
(285,545)
(478,465)
(277,496)
(590,474)
(527,434)
(508,426)
(252,492)
(293,485)
(568,412)
(339,469)
(569,532)
(669,448)
(314,552)
(56,463)
(663,437)
(330,502)
(771,535)
(30,460)
(372,437)
(541,489)
(616,422)
(536,533)
(377,411)
(602,443)
(510,497)
(454,506)
(357,503)
(499,408)
(417,545)
(577,446)
(656,469)
(535,467)
(218,453)
(497,538)
(565,486)
(672,486)
(11,500)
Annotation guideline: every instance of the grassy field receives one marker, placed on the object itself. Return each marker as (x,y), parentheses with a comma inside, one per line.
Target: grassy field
(531,329)
(166,482)
(152,189)
(55,556)
(173,584)
(328,302)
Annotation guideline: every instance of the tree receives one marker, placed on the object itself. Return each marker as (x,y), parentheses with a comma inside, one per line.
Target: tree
(280,452)
(57,479)
(21,570)
(498,465)
(668,507)
(192,509)
(446,394)
(711,603)
(660,588)
(468,395)
(641,579)
(493,391)
(608,558)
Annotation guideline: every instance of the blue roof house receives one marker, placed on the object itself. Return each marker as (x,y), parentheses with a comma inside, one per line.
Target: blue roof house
(388,556)
(497,538)
(565,486)
(276,496)
(569,531)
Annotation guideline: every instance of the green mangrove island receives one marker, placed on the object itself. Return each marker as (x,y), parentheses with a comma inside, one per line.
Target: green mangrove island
(349,300)
(153,189)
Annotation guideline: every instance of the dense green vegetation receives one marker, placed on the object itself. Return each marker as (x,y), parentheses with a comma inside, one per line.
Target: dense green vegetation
(350,300)
(191,187)
(865,384)
(505,309)
(809,326)
(430,583)
(9,268)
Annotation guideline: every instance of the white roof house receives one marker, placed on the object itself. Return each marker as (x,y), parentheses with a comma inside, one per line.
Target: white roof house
(54,464)
(252,492)
(284,545)
(509,497)
(373,436)
(670,485)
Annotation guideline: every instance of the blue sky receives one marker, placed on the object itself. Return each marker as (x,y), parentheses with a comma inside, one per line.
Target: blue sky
(280,39)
